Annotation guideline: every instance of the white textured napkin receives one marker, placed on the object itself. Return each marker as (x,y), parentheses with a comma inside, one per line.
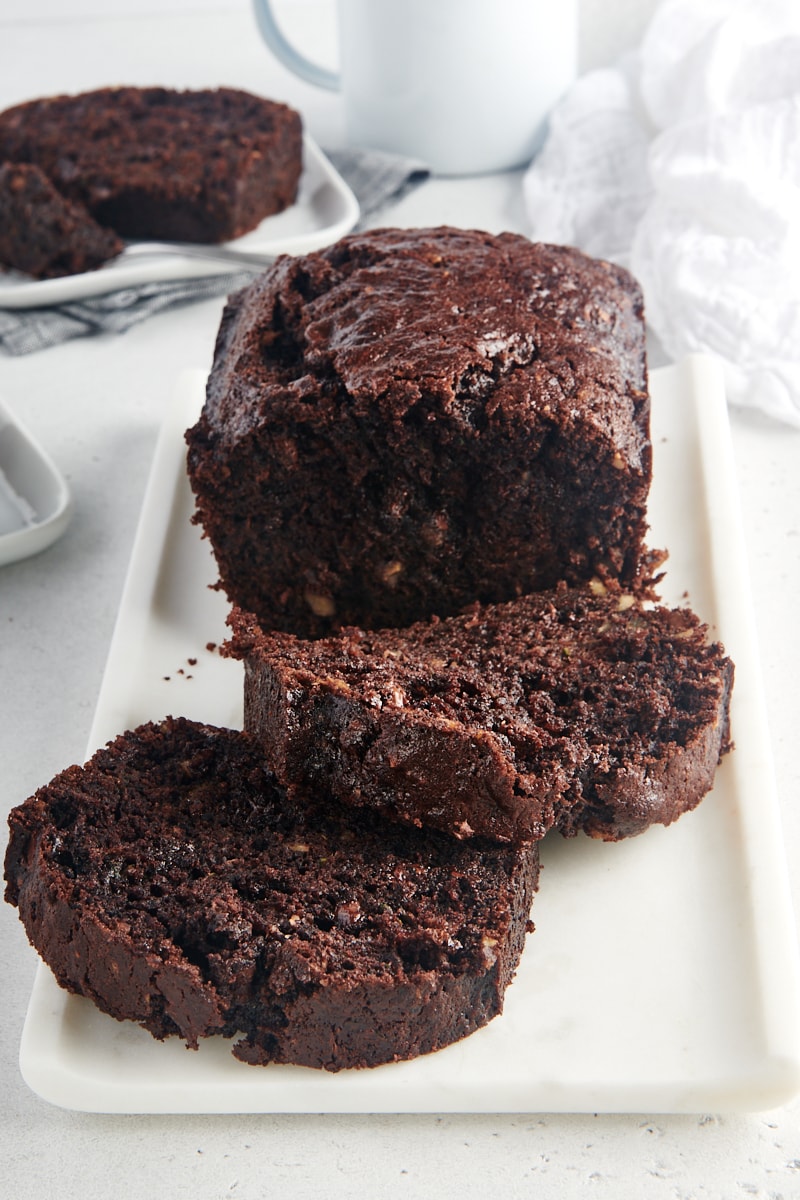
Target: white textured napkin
(682,162)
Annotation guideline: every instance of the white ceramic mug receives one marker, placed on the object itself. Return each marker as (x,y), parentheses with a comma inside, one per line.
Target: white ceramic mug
(464,85)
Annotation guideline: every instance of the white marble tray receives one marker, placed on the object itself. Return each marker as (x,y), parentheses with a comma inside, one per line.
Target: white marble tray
(663,974)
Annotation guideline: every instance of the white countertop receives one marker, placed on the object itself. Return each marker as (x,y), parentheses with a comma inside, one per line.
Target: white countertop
(96,405)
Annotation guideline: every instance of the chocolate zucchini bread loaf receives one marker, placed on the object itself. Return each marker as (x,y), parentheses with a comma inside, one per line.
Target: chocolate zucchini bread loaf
(44,234)
(196,166)
(173,882)
(577,709)
(412,420)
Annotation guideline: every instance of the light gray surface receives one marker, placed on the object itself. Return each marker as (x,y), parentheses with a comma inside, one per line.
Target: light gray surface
(96,405)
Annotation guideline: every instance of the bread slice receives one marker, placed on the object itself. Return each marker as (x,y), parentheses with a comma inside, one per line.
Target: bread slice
(575,709)
(44,234)
(154,162)
(175,883)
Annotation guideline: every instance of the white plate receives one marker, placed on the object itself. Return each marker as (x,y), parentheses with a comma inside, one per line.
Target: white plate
(325,210)
(663,974)
(35,504)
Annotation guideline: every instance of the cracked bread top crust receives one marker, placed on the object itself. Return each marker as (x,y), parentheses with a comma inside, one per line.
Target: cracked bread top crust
(411,420)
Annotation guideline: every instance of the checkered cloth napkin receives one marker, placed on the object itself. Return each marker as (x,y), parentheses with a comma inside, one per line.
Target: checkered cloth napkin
(377,180)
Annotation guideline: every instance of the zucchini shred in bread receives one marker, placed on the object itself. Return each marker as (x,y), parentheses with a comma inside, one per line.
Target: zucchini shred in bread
(576,709)
(412,420)
(176,884)
(193,166)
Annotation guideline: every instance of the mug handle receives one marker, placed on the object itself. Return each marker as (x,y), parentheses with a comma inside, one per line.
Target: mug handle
(286,53)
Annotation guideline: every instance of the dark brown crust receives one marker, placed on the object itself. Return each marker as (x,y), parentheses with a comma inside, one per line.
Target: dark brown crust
(174,883)
(564,709)
(195,166)
(42,233)
(412,420)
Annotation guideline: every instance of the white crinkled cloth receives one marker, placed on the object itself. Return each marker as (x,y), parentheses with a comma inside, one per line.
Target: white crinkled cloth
(683,164)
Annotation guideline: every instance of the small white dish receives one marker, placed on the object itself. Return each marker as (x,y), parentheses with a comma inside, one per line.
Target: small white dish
(325,210)
(35,504)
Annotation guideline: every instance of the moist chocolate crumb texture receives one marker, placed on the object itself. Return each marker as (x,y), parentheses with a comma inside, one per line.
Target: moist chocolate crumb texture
(173,882)
(195,166)
(42,233)
(577,709)
(412,420)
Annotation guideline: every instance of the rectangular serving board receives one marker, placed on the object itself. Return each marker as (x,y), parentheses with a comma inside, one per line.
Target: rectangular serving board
(663,972)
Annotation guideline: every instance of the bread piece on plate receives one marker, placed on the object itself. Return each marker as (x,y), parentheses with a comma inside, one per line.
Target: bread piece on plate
(414,419)
(153,162)
(176,884)
(42,233)
(574,709)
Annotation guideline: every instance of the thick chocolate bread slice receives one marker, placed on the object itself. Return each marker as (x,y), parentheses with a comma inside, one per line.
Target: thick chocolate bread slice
(577,709)
(42,233)
(414,419)
(173,882)
(196,166)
